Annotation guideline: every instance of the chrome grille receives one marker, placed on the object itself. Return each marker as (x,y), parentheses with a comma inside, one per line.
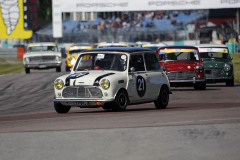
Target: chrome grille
(181,75)
(214,73)
(40,59)
(81,92)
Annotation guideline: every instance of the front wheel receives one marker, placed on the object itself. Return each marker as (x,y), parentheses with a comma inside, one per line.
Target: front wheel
(67,69)
(200,86)
(163,98)
(230,82)
(27,70)
(121,101)
(58,69)
(61,108)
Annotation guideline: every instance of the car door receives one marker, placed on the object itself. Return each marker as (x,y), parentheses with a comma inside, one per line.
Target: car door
(155,77)
(137,86)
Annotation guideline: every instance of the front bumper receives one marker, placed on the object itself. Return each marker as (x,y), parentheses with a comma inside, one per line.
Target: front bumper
(90,102)
(43,65)
(217,75)
(183,83)
(218,79)
(187,81)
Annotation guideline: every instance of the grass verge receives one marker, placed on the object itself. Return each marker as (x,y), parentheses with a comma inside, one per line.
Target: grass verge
(236,66)
(11,66)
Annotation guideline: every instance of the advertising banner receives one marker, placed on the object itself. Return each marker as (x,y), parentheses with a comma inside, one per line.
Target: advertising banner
(13,22)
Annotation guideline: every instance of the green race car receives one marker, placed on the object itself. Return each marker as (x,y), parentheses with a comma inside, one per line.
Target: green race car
(217,63)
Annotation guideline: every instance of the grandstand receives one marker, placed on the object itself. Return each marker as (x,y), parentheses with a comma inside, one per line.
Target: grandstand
(130,26)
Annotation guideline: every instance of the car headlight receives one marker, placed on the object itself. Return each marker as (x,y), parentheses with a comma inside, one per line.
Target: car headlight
(26,60)
(58,58)
(199,69)
(58,83)
(227,67)
(105,83)
(70,58)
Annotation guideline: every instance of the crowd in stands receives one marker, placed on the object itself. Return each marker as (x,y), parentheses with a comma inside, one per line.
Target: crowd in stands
(136,21)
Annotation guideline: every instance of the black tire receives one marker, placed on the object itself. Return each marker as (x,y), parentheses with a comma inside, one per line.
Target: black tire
(61,108)
(121,101)
(163,98)
(230,82)
(67,69)
(27,70)
(58,69)
(107,106)
(200,86)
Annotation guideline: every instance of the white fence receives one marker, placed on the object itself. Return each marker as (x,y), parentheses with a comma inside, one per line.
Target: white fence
(8,53)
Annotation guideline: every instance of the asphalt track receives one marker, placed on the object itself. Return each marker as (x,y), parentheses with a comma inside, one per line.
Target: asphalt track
(196,124)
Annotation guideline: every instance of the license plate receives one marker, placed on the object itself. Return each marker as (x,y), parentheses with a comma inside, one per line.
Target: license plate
(81,103)
(42,66)
(208,71)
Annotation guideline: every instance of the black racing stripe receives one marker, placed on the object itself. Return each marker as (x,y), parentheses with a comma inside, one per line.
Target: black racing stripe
(74,76)
(100,77)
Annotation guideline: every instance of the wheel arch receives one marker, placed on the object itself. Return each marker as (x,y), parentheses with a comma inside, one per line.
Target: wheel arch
(164,85)
(124,90)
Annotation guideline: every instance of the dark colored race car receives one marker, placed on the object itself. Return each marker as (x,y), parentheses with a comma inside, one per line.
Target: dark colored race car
(217,63)
(183,66)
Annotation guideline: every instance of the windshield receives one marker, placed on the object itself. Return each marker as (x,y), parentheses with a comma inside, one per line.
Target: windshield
(101,61)
(178,54)
(42,48)
(212,53)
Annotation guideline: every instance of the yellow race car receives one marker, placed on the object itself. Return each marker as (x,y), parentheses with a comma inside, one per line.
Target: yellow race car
(73,53)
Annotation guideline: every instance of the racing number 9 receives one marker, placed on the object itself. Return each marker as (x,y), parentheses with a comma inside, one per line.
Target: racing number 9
(141,86)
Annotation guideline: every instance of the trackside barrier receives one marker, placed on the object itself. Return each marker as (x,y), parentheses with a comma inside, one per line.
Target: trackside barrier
(8,53)
(20,52)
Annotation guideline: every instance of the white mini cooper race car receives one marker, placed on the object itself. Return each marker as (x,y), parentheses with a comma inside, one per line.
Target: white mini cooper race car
(112,78)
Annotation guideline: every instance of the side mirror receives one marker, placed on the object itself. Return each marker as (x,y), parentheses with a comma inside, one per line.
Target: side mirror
(132,69)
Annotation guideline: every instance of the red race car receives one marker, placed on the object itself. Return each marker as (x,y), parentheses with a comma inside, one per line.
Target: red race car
(183,66)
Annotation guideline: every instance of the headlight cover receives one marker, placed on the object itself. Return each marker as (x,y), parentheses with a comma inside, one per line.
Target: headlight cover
(58,58)
(227,67)
(58,83)
(199,69)
(105,83)
(26,60)
(70,58)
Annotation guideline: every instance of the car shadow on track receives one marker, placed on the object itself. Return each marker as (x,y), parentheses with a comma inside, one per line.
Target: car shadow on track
(192,89)
(130,109)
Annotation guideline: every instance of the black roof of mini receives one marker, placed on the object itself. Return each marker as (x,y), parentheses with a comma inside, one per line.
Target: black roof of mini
(120,49)
(179,46)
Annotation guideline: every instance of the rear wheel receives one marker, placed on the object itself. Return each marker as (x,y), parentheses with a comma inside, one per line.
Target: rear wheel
(121,101)
(163,98)
(61,108)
